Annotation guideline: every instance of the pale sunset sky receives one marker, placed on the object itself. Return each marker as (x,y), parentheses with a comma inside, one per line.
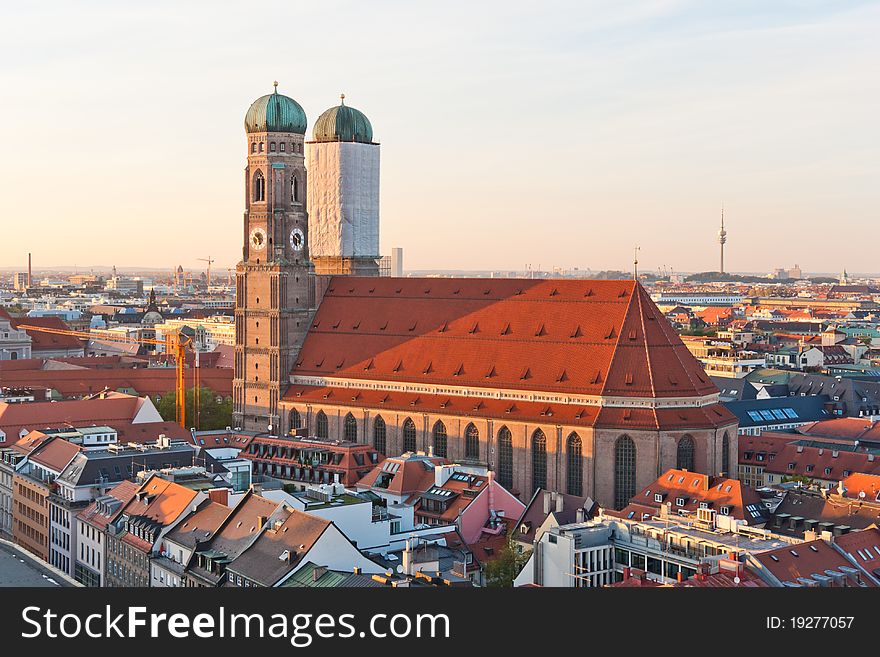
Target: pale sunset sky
(549,133)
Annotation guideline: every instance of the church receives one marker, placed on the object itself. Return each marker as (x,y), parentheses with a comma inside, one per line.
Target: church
(578,386)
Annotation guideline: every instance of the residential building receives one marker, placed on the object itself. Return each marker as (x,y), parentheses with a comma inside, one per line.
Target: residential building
(91,532)
(136,534)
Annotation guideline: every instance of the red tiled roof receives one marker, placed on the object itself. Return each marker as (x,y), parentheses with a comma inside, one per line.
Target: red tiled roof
(160,500)
(791,562)
(589,337)
(518,411)
(150,381)
(693,488)
(859,482)
(863,548)
(411,475)
(850,428)
(792,459)
(123,492)
(31,415)
(55,454)
(48,341)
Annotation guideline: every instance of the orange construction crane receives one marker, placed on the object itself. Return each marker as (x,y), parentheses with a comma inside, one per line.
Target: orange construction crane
(182,343)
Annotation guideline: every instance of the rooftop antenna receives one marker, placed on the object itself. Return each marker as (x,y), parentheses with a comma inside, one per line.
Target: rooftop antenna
(636,263)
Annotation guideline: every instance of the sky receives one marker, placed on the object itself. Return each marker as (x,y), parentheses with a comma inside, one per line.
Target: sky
(512,133)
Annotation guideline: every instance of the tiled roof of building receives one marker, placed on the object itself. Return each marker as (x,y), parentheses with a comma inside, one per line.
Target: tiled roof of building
(93,513)
(534,514)
(801,508)
(38,415)
(590,337)
(800,564)
(280,548)
(160,500)
(819,459)
(705,417)
(862,548)
(848,428)
(724,573)
(201,525)
(687,491)
(150,381)
(55,454)
(403,475)
(862,486)
(48,341)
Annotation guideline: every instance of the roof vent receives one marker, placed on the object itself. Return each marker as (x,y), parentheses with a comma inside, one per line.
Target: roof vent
(562,377)
(459,371)
(527,374)
(577,332)
(541,331)
(428,369)
(506,330)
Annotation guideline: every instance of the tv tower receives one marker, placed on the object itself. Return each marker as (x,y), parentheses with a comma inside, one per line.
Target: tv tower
(722,238)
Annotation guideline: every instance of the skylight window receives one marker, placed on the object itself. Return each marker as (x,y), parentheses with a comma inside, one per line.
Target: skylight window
(778,414)
(755,416)
(767,415)
(790,412)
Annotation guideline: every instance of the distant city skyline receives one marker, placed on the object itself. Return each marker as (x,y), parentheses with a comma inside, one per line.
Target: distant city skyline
(556,134)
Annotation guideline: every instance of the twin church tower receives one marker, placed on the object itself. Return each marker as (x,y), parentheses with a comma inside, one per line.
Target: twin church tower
(311,211)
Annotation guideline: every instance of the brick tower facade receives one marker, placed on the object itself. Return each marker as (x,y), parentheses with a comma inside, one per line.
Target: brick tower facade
(274,286)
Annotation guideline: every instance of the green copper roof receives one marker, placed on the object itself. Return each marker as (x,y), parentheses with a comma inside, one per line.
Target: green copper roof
(343,123)
(275,113)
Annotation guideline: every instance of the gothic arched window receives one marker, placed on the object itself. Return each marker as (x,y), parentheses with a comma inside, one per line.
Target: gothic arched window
(294,189)
(379,434)
(295,420)
(409,435)
(685,457)
(505,458)
(471,442)
(539,460)
(440,441)
(322,429)
(259,187)
(624,471)
(350,428)
(725,454)
(574,461)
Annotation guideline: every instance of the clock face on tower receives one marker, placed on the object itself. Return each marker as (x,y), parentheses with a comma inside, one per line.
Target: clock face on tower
(297,239)
(258,239)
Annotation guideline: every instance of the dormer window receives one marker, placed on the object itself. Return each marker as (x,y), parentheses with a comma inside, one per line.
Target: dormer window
(725,510)
(679,501)
(658,497)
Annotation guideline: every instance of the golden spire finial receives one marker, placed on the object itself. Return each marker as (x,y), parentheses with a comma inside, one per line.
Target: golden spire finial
(275,84)
(342,98)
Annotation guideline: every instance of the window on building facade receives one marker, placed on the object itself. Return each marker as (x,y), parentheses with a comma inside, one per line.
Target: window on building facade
(322,429)
(440,439)
(624,471)
(295,420)
(379,433)
(409,435)
(471,442)
(574,463)
(294,189)
(539,460)
(350,428)
(505,458)
(685,457)
(725,454)
(259,187)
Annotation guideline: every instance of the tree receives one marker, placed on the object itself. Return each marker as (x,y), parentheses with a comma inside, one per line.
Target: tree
(501,571)
(212,414)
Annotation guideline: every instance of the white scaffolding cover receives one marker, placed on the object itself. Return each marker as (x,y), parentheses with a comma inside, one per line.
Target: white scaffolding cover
(343,199)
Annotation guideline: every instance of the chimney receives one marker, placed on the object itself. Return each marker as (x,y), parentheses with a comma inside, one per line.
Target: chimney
(318,573)
(580,515)
(560,501)
(261,520)
(442,473)
(626,573)
(547,500)
(219,495)
(357,570)
(679,576)
(406,560)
